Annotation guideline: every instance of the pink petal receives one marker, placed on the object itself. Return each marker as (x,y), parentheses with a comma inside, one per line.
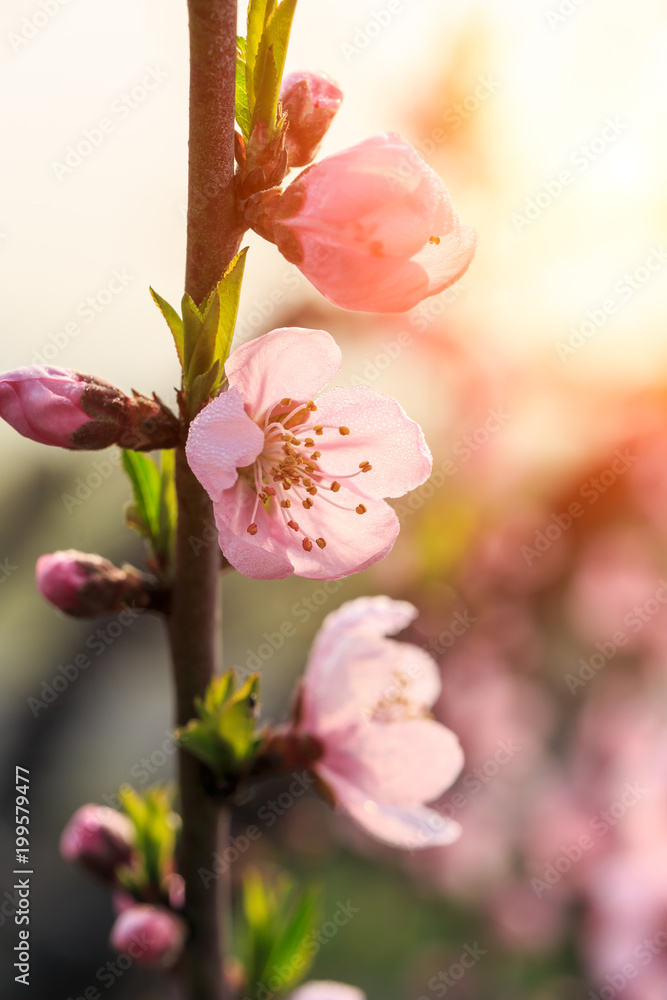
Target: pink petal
(263,556)
(353,541)
(380,432)
(444,263)
(401,763)
(289,362)
(222,439)
(411,828)
(323,990)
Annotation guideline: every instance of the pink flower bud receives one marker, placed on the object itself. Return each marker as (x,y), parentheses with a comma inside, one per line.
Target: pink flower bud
(373,228)
(85,585)
(59,407)
(149,934)
(99,839)
(310,101)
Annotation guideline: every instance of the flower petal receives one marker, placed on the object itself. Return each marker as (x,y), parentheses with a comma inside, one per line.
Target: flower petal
(401,763)
(447,261)
(411,828)
(263,556)
(353,541)
(381,433)
(222,439)
(288,362)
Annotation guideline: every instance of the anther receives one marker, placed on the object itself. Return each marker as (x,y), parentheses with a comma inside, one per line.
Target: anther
(269,490)
(318,429)
(312,490)
(343,430)
(321,542)
(309,443)
(335,487)
(361,509)
(316,455)
(365,466)
(434,239)
(293,525)
(307,503)
(307,544)
(286,401)
(285,503)
(252,529)
(311,405)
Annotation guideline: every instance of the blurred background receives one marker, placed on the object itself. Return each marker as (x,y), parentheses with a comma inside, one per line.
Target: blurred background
(537,553)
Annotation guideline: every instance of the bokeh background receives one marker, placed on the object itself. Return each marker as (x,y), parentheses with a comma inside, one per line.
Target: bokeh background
(537,554)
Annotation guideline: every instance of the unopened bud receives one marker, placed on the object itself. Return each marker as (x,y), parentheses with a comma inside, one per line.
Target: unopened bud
(60,407)
(99,839)
(150,934)
(85,585)
(310,101)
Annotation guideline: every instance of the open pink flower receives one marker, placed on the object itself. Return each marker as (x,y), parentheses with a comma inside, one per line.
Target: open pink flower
(364,700)
(298,486)
(372,227)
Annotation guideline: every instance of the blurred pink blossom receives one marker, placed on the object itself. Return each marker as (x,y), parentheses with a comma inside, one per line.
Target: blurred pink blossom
(99,839)
(149,934)
(310,504)
(44,404)
(372,227)
(364,699)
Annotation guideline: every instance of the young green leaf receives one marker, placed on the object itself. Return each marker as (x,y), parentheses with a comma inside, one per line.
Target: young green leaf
(242,101)
(270,64)
(258,14)
(145,479)
(174,322)
(155,827)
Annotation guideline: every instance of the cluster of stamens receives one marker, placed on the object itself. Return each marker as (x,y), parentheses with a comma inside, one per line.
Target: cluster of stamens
(291,464)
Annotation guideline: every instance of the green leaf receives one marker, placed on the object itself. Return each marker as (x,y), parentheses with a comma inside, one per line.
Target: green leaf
(155,827)
(145,479)
(154,510)
(270,64)
(242,102)
(203,386)
(258,14)
(291,947)
(276,932)
(174,322)
(229,290)
(192,324)
(224,734)
(203,352)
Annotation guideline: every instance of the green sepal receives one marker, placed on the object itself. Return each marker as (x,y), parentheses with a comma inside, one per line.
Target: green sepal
(155,829)
(174,322)
(276,930)
(153,512)
(224,736)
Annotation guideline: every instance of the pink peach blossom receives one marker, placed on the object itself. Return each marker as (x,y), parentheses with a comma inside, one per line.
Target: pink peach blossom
(85,585)
(151,935)
(99,839)
(310,101)
(364,700)
(372,227)
(298,486)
